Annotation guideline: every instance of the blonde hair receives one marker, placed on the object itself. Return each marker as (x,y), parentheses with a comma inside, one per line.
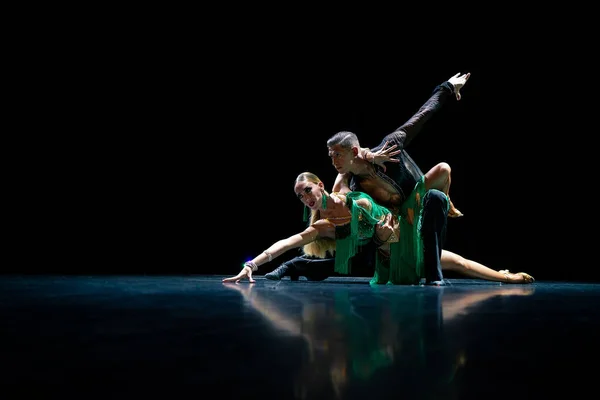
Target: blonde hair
(320,247)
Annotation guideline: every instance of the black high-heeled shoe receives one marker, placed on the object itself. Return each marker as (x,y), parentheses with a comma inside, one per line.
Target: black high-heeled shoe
(282,271)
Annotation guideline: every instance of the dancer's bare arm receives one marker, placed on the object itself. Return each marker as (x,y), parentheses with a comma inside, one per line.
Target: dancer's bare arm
(276,249)
(341,184)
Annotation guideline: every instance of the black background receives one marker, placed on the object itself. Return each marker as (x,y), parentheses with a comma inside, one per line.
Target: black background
(184,159)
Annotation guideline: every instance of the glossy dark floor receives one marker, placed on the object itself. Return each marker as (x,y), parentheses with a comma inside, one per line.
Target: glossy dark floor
(340,338)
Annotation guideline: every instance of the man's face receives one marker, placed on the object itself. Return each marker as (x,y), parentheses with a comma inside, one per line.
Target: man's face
(341,158)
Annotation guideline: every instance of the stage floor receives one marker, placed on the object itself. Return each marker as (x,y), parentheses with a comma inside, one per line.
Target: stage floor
(339,338)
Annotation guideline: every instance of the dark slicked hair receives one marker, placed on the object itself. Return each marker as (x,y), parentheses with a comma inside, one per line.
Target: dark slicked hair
(345,139)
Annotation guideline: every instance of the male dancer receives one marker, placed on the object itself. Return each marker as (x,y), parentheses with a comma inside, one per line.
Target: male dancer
(392,185)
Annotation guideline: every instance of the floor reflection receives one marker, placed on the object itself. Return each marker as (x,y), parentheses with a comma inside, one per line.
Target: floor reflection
(358,340)
(135,336)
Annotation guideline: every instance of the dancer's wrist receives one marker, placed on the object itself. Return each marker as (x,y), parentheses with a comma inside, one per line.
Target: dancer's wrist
(249,264)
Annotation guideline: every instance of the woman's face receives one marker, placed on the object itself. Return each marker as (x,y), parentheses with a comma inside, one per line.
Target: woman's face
(309,193)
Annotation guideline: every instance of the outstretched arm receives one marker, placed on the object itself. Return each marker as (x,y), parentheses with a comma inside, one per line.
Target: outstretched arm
(275,250)
(441,93)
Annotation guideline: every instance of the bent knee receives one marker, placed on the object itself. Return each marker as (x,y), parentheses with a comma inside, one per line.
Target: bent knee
(444,168)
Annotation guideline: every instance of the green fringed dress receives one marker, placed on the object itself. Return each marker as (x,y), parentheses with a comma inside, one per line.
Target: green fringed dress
(405,264)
